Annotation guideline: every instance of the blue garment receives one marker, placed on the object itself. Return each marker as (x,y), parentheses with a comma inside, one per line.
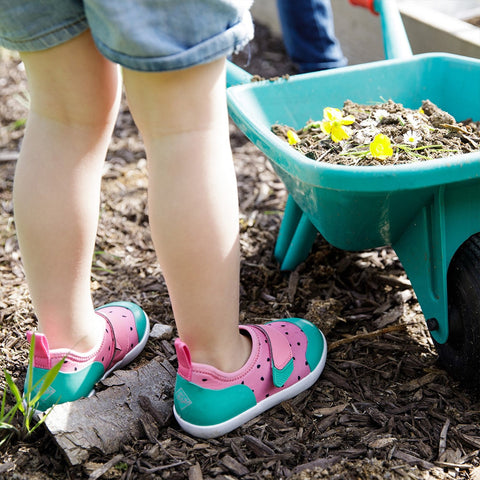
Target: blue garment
(309,34)
(146,35)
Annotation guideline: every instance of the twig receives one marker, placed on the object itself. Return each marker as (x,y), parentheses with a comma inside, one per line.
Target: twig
(412,460)
(471,440)
(470,140)
(442,444)
(8,156)
(362,336)
(467,135)
(105,467)
(161,467)
(321,463)
(456,128)
(461,466)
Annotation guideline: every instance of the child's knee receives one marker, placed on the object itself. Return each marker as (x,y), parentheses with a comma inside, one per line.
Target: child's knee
(73,83)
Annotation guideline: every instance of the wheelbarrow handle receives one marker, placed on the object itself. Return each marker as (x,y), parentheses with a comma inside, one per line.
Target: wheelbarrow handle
(395,40)
(236,75)
(364,3)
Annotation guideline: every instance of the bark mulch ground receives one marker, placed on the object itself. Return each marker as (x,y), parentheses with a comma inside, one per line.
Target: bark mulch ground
(383,407)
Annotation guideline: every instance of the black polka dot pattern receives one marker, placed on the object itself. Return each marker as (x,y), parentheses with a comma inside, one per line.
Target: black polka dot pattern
(257,374)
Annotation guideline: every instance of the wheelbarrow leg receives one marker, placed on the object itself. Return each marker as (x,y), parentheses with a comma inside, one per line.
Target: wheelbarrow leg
(440,252)
(429,243)
(422,251)
(295,238)
(291,217)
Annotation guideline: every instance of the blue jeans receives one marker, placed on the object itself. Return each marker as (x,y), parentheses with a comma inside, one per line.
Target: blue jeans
(308,34)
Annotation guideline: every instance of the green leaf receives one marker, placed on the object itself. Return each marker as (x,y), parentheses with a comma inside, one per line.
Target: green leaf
(40,422)
(27,404)
(31,354)
(7,426)
(18,123)
(311,125)
(27,418)
(7,417)
(4,399)
(47,380)
(14,389)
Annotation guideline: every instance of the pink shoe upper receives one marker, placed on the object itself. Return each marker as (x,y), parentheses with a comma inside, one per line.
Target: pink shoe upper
(276,362)
(119,338)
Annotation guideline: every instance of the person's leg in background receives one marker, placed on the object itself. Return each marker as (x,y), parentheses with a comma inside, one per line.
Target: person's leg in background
(309,34)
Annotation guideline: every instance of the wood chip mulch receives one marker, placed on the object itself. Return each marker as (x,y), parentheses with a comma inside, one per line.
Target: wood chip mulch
(382,409)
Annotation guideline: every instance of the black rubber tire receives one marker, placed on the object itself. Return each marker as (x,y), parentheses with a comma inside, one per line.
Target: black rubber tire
(460,355)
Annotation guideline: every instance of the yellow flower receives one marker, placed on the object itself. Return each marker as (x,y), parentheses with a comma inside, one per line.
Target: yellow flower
(293,138)
(334,122)
(381,147)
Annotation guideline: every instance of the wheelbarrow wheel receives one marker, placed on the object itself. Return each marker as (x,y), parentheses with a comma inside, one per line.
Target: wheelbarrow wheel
(460,355)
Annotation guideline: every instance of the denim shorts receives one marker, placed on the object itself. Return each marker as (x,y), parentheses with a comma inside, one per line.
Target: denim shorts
(145,35)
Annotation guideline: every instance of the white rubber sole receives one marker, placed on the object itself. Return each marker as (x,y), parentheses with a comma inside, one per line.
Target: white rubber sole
(213,431)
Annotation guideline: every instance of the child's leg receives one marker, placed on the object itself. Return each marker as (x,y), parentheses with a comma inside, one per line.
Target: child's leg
(74,102)
(193,204)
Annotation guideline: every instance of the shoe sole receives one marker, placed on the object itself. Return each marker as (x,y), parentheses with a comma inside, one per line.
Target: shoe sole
(213,431)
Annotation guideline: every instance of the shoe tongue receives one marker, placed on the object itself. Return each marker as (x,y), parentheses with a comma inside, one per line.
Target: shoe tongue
(41,355)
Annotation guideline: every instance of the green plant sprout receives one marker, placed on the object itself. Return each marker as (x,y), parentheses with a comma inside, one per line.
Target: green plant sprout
(383,149)
(97,263)
(6,427)
(27,403)
(18,124)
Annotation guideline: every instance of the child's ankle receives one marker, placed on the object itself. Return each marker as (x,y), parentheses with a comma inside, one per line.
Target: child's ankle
(226,359)
(80,342)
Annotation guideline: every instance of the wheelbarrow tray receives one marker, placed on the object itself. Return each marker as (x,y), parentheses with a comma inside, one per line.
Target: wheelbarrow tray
(360,207)
(424,209)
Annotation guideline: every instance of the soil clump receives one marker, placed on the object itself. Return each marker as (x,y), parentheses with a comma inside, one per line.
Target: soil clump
(412,135)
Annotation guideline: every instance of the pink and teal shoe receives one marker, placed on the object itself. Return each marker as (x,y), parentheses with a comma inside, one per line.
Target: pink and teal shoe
(126,332)
(287,357)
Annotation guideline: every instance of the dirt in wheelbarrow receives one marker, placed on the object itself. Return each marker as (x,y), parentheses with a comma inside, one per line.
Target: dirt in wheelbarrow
(382,409)
(382,134)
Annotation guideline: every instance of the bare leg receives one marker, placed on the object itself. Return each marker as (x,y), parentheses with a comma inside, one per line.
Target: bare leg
(193,204)
(74,102)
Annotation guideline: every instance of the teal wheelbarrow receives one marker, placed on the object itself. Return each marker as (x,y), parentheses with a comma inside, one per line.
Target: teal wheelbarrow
(428,212)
